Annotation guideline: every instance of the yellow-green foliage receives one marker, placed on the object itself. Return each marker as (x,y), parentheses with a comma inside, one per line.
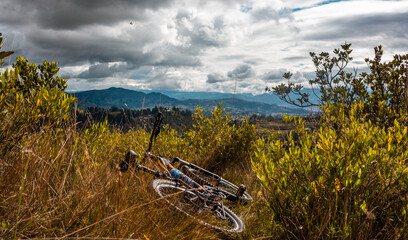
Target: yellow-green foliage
(60,181)
(26,104)
(70,186)
(346,182)
(218,142)
(388,82)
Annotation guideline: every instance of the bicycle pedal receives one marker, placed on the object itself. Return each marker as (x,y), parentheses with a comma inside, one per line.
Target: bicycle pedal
(240,191)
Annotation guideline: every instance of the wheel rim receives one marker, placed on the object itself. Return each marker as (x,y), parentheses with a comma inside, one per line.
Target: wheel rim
(190,204)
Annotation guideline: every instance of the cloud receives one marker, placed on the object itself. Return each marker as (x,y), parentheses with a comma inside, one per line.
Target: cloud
(274,75)
(74,14)
(103,70)
(196,44)
(268,14)
(267,10)
(354,27)
(242,72)
(215,78)
(201,33)
(169,78)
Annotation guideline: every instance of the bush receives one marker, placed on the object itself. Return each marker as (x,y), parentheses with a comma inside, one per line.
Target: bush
(347,180)
(388,86)
(217,143)
(30,96)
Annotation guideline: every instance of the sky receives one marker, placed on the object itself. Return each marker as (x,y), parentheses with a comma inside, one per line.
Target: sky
(197,45)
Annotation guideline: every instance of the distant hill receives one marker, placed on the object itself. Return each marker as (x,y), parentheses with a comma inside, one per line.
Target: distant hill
(263,98)
(120,97)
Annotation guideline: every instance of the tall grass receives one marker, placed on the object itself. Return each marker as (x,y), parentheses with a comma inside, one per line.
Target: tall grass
(66,184)
(58,181)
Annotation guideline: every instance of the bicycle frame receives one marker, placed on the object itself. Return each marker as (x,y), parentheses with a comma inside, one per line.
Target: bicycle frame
(169,171)
(203,195)
(164,164)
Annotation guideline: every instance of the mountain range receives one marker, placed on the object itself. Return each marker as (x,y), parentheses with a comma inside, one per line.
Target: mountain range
(138,99)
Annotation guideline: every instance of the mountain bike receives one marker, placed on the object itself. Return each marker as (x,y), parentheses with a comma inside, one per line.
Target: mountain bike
(192,190)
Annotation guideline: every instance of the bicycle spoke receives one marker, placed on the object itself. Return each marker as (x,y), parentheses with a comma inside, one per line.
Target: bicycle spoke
(204,206)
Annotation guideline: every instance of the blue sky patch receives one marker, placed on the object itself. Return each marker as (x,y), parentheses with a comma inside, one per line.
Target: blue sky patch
(246,7)
(318,4)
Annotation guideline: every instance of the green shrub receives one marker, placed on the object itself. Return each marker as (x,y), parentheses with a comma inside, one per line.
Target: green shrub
(30,97)
(217,143)
(348,181)
(388,86)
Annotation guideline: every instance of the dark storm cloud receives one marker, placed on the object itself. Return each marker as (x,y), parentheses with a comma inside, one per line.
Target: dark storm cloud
(390,25)
(216,78)
(73,14)
(242,72)
(274,75)
(103,70)
(164,80)
(91,46)
(77,33)
(299,59)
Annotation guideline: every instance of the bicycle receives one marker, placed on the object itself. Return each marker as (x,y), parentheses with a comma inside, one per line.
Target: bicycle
(192,190)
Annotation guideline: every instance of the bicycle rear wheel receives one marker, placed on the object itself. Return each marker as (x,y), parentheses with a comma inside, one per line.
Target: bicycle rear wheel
(211,179)
(189,202)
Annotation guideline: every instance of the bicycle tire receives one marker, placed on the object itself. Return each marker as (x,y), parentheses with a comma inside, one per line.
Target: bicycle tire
(208,178)
(184,201)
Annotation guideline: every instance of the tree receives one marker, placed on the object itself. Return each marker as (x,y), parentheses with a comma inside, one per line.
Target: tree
(384,90)
(388,87)
(333,82)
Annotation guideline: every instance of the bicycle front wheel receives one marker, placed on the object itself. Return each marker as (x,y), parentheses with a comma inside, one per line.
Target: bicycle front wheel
(190,203)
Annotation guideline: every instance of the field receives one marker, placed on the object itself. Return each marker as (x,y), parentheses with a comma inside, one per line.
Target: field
(340,175)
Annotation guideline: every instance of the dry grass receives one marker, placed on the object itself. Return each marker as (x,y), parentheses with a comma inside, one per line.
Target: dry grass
(57,185)
(58,181)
